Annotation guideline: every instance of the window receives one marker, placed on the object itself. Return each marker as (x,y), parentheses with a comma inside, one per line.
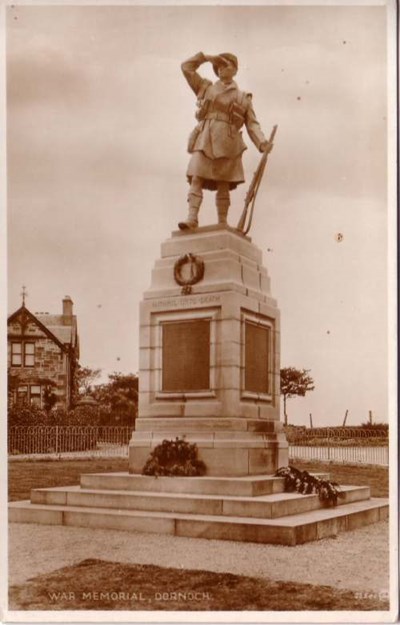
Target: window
(35,396)
(25,349)
(22,395)
(16,354)
(29,354)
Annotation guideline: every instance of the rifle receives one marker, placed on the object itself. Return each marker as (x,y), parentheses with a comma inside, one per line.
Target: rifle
(253,189)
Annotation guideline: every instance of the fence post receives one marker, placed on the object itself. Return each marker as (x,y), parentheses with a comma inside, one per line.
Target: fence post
(329,445)
(56,439)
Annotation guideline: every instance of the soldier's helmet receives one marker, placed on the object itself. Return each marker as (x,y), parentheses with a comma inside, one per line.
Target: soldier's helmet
(229,57)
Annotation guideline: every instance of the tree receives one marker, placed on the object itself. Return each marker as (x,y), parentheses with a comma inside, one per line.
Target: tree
(294,382)
(84,379)
(120,396)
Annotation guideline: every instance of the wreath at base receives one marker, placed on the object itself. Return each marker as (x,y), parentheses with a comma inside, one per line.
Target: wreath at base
(307,484)
(174,458)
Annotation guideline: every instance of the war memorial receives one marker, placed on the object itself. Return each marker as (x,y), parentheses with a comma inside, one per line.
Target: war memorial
(209,362)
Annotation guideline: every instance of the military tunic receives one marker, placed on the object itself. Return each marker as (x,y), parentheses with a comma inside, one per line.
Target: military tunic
(216,144)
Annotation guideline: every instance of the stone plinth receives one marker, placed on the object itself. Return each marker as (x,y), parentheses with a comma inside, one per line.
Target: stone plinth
(209,356)
(251,508)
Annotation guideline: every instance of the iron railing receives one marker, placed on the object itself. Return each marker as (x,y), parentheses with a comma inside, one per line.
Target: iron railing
(64,440)
(331,453)
(321,444)
(350,445)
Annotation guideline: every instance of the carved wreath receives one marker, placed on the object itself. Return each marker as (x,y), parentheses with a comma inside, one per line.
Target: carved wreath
(196,272)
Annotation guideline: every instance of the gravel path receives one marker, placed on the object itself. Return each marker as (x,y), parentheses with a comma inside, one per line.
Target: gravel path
(355,560)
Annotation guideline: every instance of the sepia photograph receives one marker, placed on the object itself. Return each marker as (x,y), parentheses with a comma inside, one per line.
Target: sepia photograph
(199,398)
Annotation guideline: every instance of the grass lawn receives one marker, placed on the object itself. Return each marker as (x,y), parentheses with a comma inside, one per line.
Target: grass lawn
(99,585)
(25,475)
(377,478)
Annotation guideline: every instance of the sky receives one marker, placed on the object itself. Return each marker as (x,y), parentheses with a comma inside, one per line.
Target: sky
(98,116)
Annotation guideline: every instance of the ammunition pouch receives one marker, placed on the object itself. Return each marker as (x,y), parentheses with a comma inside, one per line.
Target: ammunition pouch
(202,106)
(234,114)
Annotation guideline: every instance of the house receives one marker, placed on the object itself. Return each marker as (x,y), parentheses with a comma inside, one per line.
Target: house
(43,352)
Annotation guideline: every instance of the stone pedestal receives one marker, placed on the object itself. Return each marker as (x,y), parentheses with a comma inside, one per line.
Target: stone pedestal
(209,355)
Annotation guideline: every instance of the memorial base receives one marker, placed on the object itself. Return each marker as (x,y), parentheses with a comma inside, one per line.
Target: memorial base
(228,447)
(251,509)
(209,356)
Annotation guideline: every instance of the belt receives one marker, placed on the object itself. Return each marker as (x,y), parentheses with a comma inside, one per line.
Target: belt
(221,117)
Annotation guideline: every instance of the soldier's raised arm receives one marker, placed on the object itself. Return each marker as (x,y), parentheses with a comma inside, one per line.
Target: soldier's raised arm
(189,69)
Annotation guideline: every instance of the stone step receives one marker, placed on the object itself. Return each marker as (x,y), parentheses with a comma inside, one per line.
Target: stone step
(288,530)
(264,506)
(248,486)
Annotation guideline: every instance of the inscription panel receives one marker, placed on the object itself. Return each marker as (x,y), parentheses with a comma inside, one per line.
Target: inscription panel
(186,355)
(257,355)
(185,302)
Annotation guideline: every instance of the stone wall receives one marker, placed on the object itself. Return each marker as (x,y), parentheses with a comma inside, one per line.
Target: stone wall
(51,362)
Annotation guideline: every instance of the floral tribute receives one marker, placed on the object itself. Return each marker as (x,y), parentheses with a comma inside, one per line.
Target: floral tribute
(174,458)
(307,484)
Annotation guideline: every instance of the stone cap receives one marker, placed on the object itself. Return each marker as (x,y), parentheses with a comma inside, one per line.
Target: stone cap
(210,239)
(211,228)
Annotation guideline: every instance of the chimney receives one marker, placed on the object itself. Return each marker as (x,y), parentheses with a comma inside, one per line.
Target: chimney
(67,310)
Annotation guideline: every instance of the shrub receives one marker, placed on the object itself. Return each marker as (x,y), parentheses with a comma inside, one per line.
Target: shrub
(375,426)
(174,458)
(81,415)
(27,415)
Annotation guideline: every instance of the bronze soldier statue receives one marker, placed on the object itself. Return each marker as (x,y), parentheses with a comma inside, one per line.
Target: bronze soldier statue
(216,144)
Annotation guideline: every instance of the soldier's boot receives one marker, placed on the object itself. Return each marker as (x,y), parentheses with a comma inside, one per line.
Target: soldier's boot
(223,202)
(194,200)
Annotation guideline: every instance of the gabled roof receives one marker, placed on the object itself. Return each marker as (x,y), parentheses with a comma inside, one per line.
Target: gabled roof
(52,325)
(65,333)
